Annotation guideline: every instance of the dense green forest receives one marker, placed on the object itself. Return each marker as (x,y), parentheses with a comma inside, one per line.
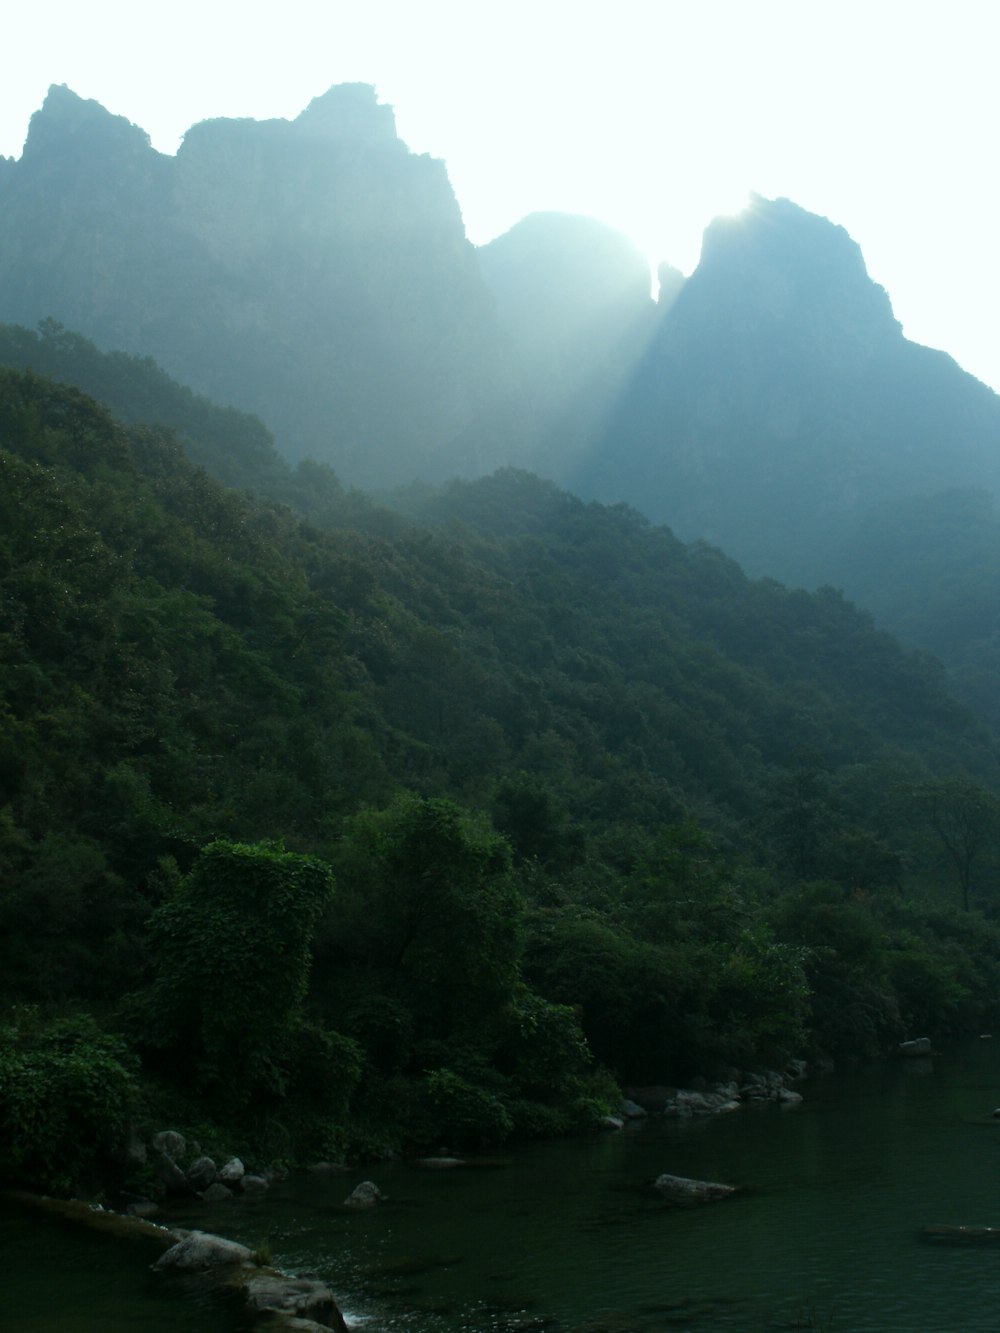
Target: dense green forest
(435,823)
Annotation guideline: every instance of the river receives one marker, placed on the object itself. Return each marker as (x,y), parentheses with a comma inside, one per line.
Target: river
(824,1234)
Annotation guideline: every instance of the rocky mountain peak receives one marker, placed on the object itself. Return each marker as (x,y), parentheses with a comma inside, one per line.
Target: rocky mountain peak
(351,112)
(777,264)
(70,124)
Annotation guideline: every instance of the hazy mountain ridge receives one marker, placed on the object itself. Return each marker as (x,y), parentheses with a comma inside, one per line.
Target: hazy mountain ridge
(293,268)
(778,399)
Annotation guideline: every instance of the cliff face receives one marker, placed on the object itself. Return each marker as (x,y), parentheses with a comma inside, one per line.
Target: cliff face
(313,271)
(778,400)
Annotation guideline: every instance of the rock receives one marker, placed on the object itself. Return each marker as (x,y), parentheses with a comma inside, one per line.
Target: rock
(797,1069)
(297,1298)
(789,1098)
(365,1195)
(254,1184)
(170,1144)
(216,1192)
(143,1208)
(201,1174)
(440,1163)
(170,1174)
(918,1046)
(232,1172)
(683,1190)
(961,1235)
(996,1113)
(688,1102)
(654,1099)
(200,1250)
(611,1122)
(632,1110)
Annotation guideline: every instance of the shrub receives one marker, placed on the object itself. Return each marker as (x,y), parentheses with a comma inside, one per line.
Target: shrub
(66,1092)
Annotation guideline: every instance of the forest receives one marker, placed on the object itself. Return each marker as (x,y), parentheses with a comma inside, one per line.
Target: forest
(354,825)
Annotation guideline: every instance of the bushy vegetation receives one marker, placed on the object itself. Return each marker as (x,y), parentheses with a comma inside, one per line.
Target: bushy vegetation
(431,825)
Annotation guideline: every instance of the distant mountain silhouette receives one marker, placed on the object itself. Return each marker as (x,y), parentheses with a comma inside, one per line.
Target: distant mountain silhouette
(573,295)
(315,272)
(778,400)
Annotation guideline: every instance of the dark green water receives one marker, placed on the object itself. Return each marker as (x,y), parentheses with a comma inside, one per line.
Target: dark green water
(825,1235)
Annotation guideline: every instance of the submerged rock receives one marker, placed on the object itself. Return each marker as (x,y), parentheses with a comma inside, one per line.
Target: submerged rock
(365,1195)
(683,1190)
(217,1192)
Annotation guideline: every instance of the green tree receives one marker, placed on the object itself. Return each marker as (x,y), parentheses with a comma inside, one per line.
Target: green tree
(232,956)
(965,818)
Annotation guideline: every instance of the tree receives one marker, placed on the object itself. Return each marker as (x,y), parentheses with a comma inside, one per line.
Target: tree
(966,821)
(232,950)
(436,915)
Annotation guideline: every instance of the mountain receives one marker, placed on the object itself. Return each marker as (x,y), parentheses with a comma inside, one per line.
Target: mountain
(573,297)
(314,272)
(773,407)
(778,400)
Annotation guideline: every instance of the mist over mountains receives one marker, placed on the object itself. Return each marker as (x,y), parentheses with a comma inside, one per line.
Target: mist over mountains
(316,272)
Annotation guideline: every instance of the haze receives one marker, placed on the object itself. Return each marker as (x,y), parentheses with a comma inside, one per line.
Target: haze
(652,117)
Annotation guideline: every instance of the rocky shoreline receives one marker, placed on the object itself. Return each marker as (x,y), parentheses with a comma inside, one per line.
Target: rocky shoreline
(272,1298)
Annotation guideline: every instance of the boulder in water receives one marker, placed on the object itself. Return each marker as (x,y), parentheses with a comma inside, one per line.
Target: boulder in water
(683,1190)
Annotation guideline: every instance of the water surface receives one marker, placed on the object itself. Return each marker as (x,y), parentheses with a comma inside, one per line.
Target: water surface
(824,1234)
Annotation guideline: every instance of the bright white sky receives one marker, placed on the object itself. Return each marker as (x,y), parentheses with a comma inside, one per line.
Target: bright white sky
(653,115)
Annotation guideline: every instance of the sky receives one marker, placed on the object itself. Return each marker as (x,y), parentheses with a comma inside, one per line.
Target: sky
(652,115)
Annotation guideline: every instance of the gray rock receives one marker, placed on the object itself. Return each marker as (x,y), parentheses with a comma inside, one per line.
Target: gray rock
(919,1046)
(169,1174)
(170,1144)
(254,1184)
(683,1190)
(216,1192)
(232,1172)
(688,1102)
(201,1174)
(632,1110)
(365,1195)
(611,1122)
(201,1250)
(299,1298)
(439,1163)
(789,1098)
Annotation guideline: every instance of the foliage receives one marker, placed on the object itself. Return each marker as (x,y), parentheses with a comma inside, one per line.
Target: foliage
(585,789)
(232,958)
(66,1092)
